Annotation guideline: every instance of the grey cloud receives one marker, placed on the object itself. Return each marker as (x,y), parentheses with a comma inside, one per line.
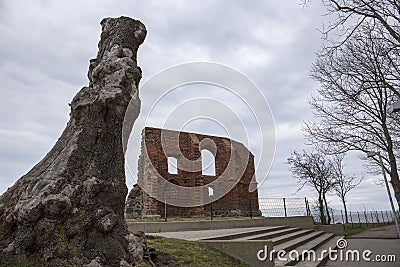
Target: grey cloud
(46,46)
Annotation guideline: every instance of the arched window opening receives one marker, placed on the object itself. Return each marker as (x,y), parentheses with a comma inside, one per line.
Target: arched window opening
(207,163)
(172,165)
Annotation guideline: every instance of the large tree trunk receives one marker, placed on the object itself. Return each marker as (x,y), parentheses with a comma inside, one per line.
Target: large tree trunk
(394,175)
(345,210)
(69,209)
(327,210)
(321,209)
(394,180)
(396,187)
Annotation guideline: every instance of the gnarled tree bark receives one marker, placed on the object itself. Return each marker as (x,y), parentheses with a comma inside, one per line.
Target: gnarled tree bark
(69,209)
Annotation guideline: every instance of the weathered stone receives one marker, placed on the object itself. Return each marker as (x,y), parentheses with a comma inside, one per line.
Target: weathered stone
(134,203)
(69,209)
(137,245)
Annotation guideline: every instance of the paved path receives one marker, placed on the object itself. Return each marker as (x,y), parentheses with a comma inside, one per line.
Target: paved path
(381,241)
(383,232)
(201,234)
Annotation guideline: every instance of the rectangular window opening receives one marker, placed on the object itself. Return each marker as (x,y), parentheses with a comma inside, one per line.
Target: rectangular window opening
(172,165)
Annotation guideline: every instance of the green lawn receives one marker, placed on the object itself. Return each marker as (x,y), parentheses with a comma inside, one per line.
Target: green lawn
(188,253)
(170,252)
(356,228)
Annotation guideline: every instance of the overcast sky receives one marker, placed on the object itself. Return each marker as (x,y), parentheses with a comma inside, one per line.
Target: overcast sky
(45,47)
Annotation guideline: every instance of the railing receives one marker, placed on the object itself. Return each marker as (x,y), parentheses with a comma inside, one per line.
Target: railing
(284,207)
(267,207)
(355,218)
(243,207)
(288,207)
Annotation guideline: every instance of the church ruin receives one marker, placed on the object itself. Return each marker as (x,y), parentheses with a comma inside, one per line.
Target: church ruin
(171,170)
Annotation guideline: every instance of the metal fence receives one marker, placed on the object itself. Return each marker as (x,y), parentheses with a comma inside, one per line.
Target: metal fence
(358,217)
(283,207)
(290,207)
(267,207)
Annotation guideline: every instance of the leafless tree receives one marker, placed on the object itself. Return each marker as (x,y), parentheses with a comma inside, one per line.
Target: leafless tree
(314,169)
(358,82)
(349,15)
(343,183)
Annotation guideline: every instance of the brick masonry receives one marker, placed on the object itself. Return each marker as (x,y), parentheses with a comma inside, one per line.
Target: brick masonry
(234,183)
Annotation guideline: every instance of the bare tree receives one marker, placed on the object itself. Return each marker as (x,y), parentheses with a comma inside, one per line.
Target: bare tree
(343,183)
(358,81)
(315,170)
(350,15)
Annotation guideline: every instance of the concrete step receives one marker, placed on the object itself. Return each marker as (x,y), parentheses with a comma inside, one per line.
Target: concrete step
(321,258)
(294,243)
(243,235)
(285,238)
(269,235)
(309,242)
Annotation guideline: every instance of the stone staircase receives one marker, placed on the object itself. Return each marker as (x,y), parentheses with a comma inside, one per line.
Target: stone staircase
(246,244)
(244,239)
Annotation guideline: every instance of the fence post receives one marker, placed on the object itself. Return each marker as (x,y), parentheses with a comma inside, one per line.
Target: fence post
(383,218)
(305,201)
(165,207)
(359,220)
(366,217)
(391,215)
(251,211)
(211,211)
(343,223)
(309,210)
(351,219)
(284,206)
(341,212)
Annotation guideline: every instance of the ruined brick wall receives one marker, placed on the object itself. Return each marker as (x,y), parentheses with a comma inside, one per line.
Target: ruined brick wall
(159,144)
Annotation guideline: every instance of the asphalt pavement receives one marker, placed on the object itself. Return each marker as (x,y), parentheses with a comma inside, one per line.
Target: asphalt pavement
(375,247)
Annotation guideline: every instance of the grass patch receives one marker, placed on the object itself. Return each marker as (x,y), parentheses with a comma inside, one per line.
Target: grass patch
(189,253)
(170,252)
(356,228)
